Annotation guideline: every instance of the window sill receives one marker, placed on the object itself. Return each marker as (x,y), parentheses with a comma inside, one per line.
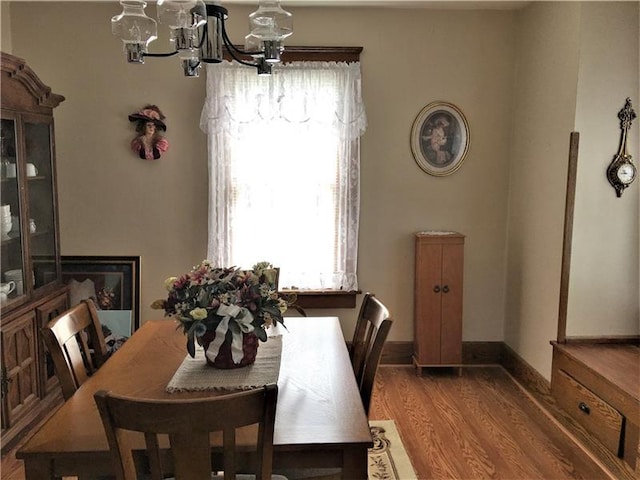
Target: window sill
(323,298)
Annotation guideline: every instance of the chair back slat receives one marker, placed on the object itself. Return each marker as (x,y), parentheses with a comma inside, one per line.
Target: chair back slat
(191,454)
(188,423)
(372,361)
(75,352)
(67,337)
(153,453)
(361,326)
(229,452)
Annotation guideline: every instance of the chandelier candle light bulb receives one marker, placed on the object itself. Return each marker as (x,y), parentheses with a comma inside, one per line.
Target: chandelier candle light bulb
(135,29)
(184,17)
(197,31)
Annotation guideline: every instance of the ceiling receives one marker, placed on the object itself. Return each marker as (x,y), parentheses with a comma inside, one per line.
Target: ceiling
(448,4)
(439,4)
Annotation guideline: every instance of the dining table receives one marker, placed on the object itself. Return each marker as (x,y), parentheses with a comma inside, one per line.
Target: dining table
(320,420)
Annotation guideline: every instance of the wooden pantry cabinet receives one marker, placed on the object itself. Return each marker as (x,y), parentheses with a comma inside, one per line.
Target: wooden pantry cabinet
(439,259)
(32,289)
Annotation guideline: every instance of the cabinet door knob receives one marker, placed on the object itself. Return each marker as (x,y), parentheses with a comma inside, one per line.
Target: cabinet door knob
(445,289)
(436,289)
(584,407)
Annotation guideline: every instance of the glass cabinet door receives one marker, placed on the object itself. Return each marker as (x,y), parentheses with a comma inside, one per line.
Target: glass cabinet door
(12,285)
(41,222)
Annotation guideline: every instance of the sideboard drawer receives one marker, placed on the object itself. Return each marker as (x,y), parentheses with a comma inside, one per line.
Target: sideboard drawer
(590,411)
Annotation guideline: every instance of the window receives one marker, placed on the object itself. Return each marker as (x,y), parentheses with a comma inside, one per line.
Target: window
(284,170)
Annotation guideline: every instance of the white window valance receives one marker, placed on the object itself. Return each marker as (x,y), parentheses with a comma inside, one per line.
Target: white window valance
(237,97)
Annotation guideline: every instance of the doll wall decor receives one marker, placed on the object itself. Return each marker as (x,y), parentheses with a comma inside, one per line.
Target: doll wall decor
(149,143)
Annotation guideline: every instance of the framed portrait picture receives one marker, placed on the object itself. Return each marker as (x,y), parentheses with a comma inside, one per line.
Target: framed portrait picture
(113,283)
(440,138)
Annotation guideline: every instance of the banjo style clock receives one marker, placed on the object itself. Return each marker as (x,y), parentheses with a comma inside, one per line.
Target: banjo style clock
(622,172)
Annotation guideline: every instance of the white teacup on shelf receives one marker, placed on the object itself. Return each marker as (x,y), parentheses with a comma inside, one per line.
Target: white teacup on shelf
(15,276)
(5,221)
(11,170)
(5,228)
(32,171)
(19,288)
(7,288)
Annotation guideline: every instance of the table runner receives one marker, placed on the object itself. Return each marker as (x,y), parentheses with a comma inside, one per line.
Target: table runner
(195,375)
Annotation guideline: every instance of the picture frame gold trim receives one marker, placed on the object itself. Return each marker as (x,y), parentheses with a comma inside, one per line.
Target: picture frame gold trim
(440,138)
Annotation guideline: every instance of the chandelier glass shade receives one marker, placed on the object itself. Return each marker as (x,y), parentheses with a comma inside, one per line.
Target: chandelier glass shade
(198,33)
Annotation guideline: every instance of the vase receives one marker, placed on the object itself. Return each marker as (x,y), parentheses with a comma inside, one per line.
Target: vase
(224,358)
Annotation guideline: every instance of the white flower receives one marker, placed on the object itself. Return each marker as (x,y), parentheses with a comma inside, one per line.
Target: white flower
(198,313)
(168,283)
(282,305)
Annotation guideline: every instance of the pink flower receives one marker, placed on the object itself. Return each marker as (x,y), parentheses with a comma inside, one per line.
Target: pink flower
(147,112)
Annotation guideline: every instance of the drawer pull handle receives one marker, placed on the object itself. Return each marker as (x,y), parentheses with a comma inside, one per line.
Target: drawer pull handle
(436,289)
(445,289)
(584,407)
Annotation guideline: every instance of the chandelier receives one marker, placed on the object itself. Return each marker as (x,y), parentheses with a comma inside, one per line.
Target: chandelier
(198,33)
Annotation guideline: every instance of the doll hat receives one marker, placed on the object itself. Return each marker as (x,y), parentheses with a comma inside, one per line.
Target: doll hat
(150,113)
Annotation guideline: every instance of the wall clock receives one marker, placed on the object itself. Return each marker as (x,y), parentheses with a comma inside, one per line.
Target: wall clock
(621,171)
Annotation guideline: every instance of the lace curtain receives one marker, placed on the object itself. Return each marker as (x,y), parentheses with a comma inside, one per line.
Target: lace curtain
(284,170)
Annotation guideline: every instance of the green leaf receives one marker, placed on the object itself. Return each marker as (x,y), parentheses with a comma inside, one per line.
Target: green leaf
(191,347)
(261,334)
(273,311)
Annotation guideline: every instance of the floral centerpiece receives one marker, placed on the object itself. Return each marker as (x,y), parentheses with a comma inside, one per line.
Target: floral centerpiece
(225,309)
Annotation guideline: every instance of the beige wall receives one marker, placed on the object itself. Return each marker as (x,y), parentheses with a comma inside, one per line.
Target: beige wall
(5,26)
(112,203)
(576,64)
(513,74)
(544,108)
(603,294)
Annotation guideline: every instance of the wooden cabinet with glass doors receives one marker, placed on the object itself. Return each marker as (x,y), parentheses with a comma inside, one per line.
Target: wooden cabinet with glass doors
(31,288)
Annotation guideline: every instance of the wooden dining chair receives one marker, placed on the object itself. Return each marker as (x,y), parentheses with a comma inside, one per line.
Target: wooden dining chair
(372,328)
(368,310)
(76,344)
(188,423)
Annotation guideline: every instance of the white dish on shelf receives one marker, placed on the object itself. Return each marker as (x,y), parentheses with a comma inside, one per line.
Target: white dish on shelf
(5,228)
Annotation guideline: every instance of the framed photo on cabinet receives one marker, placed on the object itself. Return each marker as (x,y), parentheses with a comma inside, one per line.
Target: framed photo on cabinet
(440,138)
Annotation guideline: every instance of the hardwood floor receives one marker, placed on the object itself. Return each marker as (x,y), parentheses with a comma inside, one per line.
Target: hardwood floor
(479,425)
